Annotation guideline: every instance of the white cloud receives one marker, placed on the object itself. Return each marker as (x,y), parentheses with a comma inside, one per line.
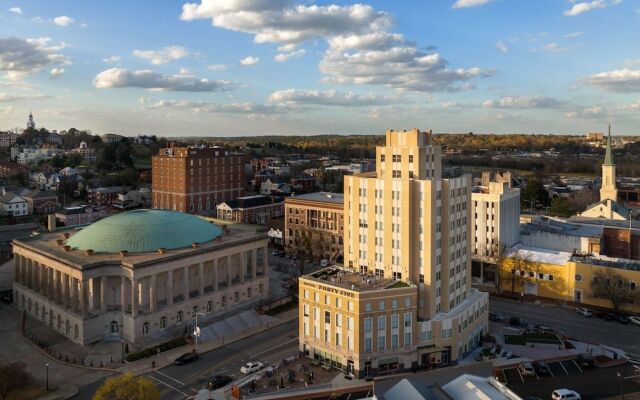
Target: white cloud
(84,25)
(328,98)
(5,98)
(56,72)
(63,20)
(217,67)
(620,81)
(502,47)
(162,56)
(250,60)
(146,79)
(523,102)
(22,57)
(556,48)
(282,57)
(215,108)
(574,34)
(582,7)
(469,3)
(111,60)
(16,10)
(360,49)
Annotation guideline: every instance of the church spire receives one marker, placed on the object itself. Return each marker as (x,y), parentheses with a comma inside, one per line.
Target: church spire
(608,156)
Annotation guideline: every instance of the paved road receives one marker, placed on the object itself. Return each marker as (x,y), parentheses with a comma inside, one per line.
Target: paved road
(625,337)
(178,382)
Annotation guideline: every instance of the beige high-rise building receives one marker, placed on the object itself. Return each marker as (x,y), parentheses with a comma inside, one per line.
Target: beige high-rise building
(407,244)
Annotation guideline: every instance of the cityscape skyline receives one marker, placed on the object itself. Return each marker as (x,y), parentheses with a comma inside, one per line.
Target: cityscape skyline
(243,68)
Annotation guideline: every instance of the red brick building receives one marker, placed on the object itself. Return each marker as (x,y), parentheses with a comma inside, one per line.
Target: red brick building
(195,179)
(8,168)
(616,242)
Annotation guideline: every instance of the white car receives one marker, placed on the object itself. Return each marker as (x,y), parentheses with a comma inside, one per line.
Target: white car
(562,394)
(584,312)
(324,262)
(526,369)
(635,320)
(251,367)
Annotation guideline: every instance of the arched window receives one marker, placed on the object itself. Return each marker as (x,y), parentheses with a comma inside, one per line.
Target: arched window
(114,327)
(179,317)
(163,322)
(145,328)
(209,306)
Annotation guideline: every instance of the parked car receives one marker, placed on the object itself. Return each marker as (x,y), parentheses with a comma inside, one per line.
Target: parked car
(516,321)
(635,320)
(274,253)
(186,358)
(585,360)
(623,319)
(584,312)
(281,253)
(565,394)
(495,317)
(324,262)
(603,315)
(218,381)
(251,367)
(526,369)
(545,328)
(542,368)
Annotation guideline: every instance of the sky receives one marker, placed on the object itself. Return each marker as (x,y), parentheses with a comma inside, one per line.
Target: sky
(254,67)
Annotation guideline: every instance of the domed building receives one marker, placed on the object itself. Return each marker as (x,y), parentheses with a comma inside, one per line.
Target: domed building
(140,275)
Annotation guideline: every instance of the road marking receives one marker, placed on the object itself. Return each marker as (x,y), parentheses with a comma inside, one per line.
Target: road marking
(562,365)
(579,369)
(169,386)
(521,378)
(506,381)
(167,376)
(274,347)
(550,372)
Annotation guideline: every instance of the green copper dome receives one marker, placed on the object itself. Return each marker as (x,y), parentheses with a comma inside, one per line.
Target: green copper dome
(142,231)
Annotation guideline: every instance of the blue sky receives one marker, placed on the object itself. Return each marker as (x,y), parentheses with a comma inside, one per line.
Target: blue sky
(248,67)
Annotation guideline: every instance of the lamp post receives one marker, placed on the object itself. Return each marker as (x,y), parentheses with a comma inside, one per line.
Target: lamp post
(210,387)
(47,367)
(196,331)
(122,350)
(621,385)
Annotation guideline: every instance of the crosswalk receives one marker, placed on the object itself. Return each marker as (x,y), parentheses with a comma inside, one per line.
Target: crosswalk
(166,382)
(634,359)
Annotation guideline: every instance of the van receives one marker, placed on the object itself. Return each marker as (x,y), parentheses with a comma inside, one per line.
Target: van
(565,394)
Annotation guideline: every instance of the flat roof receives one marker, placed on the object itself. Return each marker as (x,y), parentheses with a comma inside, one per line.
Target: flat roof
(325,197)
(537,254)
(353,280)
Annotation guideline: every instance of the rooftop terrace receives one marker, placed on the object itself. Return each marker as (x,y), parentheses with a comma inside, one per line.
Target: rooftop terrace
(353,280)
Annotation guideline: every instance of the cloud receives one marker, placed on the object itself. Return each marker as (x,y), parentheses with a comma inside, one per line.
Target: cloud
(56,72)
(146,79)
(16,10)
(63,20)
(502,47)
(215,108)
(111,60)
(5,98)
(250,60)
(573,34)
(582,7)
(469,3)
(282,57)
(84,25)
(162,56)
(555,48)
(217,67)
(22,57)
(523,102)
(619,81)
(328,98)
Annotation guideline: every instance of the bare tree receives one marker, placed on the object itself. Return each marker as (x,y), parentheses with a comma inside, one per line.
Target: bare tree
(614,287)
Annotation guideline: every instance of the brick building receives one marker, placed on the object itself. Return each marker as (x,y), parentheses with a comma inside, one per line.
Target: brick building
(251,209)
(8,168)
(196,179)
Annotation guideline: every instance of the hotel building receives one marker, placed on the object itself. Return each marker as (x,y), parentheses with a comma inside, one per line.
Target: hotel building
(403,298)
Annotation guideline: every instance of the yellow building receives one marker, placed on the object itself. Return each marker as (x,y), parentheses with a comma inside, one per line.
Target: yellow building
(567,277)
(406,225)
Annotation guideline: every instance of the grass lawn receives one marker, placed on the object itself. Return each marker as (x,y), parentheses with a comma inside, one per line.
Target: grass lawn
(30,392)
(524,339)
(398,284)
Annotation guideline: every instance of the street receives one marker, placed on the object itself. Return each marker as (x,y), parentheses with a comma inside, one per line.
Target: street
(595,330)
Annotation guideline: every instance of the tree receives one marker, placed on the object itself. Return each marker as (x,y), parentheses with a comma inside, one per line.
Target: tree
(614,287)
(560,207)
(535,195)
(127,387)
(13,376)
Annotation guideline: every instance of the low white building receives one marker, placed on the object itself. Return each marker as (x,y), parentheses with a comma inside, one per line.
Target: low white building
(12,204)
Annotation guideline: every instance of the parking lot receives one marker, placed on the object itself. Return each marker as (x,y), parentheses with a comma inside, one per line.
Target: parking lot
(592,383)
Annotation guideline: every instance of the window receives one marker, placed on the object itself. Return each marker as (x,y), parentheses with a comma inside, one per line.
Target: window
(381,342)
(382,322)
(163,322)
(410,157)
(394,321)
(407,339)
(145,328)
(209,306)
(407,300)
(394,341)
(327,317)
(367,307)
(407,320)
(367,345)
(394,303)
(368,322)
(305,310)
(179,317)
(339,320)
(632,285)
(381,306)
(578,278)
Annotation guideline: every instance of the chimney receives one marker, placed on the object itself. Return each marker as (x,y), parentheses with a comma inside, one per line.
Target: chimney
(51,222)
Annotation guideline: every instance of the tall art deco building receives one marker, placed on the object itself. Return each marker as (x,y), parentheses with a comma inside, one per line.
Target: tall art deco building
(403,298)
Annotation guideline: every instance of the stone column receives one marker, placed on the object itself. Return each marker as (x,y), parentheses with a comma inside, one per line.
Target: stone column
(215,274)
(254,263)
(134,297)
(153,301)
(73,285)
(42,280)
(265,260)
(243,265)
(65,290)
(91,293)
(16,269)
(169,288)
(123,293)
(51,290)
(82,295)
(57,294)
(30,279)
(185,283)
(200,279)
(228,271)
(103,294)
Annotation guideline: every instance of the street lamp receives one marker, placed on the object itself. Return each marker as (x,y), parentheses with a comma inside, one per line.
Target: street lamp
(47,366)
(210,387)
(196,331)
(122,350)
(621,385)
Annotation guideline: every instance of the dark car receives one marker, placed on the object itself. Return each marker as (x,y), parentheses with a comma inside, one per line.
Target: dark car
(516,321)
(545,328)
(623,319)
(495,317)
(186,358)
(585,360)
(339,259)
(281,253)
(603,315)
(542,368)
(218,381)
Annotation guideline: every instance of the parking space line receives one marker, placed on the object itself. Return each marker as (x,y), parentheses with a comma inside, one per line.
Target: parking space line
(506,381)
(169,386)
(167,376)
(550,371)
(579,369)
(521,378)
(537,377)
(562,365)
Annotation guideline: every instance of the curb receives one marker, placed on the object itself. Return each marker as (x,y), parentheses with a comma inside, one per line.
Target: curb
(61,394)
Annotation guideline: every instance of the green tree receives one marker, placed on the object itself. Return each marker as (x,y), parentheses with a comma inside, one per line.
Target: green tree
(127,387)
(17,179)
(535,195)
(560,207)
